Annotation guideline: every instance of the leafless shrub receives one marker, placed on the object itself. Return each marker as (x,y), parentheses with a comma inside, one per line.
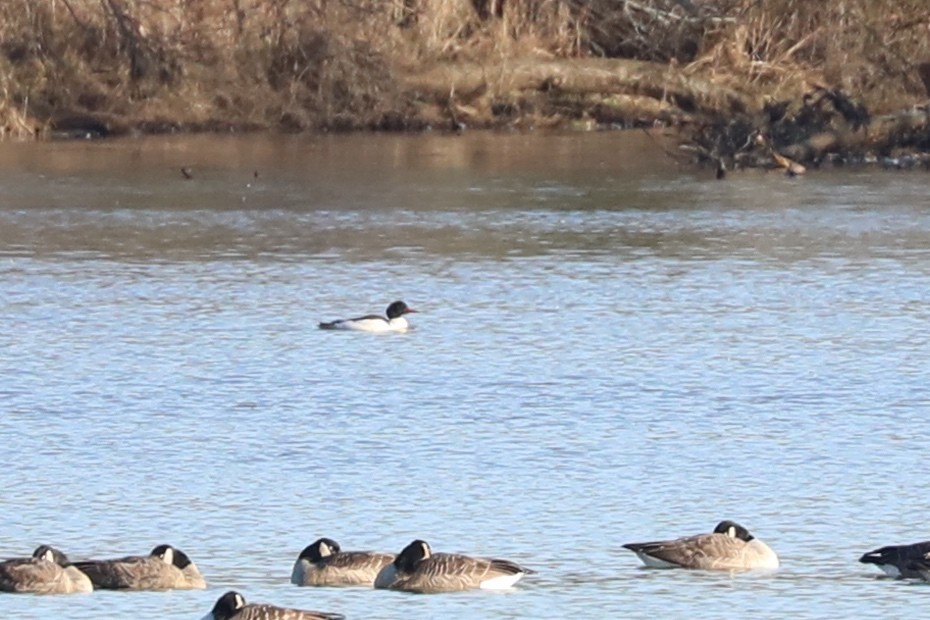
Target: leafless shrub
(335,63)
(868,47)
(660,30)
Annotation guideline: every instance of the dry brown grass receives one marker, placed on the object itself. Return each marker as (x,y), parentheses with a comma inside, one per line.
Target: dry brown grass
(332,63)
(869,48)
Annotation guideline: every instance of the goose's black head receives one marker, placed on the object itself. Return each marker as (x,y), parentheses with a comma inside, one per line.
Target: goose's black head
(322,548)
(733,530)
(414,553)
(171,556)
(227,605)
(51,554)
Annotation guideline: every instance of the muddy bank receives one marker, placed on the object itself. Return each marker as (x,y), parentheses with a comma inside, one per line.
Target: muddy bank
(784,83)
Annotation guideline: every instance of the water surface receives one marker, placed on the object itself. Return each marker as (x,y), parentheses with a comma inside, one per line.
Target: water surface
(610,349)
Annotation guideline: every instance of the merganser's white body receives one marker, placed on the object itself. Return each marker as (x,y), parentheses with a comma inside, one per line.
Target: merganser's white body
(395,321)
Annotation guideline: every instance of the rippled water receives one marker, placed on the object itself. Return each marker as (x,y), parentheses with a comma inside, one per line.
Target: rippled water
(609,349)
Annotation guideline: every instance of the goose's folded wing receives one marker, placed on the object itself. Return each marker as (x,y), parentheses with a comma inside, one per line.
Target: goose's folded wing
(702,551)
(28,575)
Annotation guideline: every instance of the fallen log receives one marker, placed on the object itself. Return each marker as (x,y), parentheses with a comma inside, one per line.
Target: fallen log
(578,76)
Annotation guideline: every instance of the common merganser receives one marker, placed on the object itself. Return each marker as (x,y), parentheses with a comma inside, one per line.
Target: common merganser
(418,569)
(395,321)
(729,547)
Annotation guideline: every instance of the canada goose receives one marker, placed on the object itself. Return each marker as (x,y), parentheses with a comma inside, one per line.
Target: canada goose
(895,559)
(324,563)
(395,321)
(729,547)
(921,566)
(418,569)
(232,606)
(48,571)
(165,568)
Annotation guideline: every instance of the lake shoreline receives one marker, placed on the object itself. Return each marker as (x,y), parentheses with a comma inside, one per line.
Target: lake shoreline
(735,84)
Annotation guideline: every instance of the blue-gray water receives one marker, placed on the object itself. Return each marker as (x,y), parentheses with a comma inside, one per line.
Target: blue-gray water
(609,349)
